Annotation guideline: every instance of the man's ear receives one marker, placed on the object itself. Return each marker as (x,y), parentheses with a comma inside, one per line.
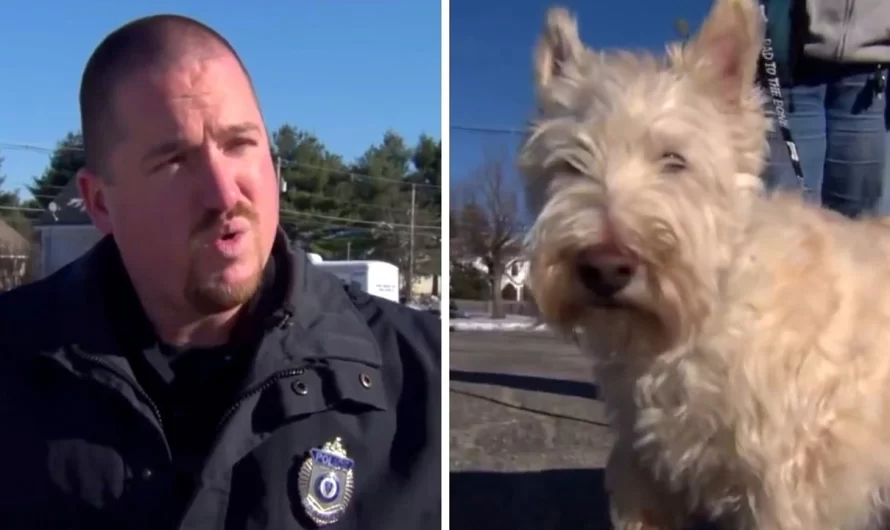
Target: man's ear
(92,191)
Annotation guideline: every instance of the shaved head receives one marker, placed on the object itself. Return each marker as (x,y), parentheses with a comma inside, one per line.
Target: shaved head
(179,172)
(155,42)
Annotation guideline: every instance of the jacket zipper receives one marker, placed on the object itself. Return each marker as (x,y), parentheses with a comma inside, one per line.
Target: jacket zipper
(136,388)
(268,382)
(133,383)
(244,396)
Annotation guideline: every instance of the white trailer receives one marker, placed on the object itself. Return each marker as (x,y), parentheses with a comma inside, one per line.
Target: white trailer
(378,278)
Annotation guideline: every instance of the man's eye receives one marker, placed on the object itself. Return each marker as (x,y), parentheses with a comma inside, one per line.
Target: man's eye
(171,161)
(240,143)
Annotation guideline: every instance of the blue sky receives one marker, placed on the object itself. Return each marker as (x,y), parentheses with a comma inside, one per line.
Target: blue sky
(346,70)
(491,54)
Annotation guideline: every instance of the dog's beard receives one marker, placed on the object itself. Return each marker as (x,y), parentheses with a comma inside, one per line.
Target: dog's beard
(616,333)
(675,291)
(613,324)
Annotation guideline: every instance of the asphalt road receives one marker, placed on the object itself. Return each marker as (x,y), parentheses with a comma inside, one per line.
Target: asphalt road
(528,437)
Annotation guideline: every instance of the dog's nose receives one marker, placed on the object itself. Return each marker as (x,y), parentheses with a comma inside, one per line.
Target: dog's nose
(605,271)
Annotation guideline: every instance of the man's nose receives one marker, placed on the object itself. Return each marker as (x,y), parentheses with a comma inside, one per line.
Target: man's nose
(219,183)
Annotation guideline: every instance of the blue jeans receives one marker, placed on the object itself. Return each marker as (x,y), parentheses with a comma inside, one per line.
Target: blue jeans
(837,122)
(884,207)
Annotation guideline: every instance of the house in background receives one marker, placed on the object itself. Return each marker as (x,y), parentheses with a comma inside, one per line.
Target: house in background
(426,285)
(512,283)
(64,231)
(14,253)
(12,244)
(513,286)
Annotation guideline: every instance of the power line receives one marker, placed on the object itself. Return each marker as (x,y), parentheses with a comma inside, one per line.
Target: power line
(380,224)
(300,165)
(40,149)
(7,145)
(386,227)
(324,216)
(20,209)
(289,164)
(394,227)
(300,193)
(343,226)
(363,221)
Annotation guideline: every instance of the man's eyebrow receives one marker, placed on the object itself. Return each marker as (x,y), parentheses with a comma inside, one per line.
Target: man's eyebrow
(240,128)
(172,146)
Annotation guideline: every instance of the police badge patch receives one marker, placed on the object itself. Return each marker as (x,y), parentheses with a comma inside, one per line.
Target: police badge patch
(326,482)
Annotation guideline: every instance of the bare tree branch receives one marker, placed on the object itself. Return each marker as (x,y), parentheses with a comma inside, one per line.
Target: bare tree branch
(487,222)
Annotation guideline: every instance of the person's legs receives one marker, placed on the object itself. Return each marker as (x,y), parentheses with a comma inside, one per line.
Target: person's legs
(806,118)
(884,207)
(854,160)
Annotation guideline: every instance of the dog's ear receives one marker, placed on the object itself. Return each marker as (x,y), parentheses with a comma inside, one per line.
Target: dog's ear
(727,47)
(558,48)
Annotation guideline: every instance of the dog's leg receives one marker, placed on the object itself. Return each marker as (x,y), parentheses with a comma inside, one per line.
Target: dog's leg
(636,501)
(830,508)
(815,486)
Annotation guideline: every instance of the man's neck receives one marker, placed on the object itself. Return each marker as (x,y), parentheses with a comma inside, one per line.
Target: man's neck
(197,331)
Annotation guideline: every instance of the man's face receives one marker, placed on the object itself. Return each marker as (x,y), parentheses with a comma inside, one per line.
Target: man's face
(193,198)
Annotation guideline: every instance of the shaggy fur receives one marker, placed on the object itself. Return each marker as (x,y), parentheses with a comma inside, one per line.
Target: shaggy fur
(746,365)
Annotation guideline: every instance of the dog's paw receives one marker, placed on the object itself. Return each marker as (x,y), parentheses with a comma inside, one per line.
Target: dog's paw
(646,522)
(637,525)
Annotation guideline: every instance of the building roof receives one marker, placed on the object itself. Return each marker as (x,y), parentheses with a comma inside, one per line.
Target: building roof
(10,240)
(66,209)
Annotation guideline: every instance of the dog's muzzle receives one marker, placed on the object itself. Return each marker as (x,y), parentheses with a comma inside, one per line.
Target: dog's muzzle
(605,271)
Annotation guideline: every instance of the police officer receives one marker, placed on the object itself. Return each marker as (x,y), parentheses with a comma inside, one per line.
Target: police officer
(192,371)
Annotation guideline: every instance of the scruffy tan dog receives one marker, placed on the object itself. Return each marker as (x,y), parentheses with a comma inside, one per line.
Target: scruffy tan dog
(743,340)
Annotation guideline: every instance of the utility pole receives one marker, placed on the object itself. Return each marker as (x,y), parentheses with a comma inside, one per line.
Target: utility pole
(410,279)
(348,250)
(281,186)
(681,26)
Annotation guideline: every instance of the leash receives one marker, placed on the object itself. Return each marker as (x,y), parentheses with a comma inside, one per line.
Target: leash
(769,73)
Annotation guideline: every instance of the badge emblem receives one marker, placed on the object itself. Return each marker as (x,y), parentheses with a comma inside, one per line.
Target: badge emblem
(326,482)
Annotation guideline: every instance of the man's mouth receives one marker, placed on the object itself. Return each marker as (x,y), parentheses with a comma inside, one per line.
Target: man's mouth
(230,238)
(233,228)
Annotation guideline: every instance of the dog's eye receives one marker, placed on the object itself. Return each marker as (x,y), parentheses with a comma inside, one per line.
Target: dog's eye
(673,162)
(564,167)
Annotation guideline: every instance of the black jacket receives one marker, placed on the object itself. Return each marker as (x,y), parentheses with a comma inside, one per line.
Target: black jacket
(84,446)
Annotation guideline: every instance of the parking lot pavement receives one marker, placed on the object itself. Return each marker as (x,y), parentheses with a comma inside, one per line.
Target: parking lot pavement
(528,438)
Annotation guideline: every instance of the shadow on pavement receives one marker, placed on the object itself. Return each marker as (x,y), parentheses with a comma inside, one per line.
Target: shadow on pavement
(539,500)
(565,498)
(528,382)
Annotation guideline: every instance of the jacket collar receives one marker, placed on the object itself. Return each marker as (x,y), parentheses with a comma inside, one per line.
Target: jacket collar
(302,309)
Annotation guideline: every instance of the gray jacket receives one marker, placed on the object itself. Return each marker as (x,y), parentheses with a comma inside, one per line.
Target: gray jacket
(849,31)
